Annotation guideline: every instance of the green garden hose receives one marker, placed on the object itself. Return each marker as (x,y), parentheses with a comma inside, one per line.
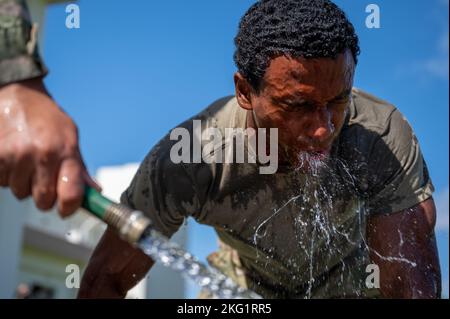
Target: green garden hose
(129,224)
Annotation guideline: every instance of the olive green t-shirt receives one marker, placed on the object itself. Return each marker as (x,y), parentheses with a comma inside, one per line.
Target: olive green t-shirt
(297,236)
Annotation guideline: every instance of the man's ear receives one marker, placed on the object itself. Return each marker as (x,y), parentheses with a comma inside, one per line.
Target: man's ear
(243,91)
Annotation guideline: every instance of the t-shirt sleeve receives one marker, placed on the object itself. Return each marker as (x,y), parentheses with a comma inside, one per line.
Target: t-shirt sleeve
(398,174)
(162,190)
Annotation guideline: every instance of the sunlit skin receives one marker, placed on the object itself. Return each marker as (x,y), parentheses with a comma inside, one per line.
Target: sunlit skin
(306,99)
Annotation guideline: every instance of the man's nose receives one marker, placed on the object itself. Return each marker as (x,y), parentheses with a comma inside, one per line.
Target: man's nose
(320,128)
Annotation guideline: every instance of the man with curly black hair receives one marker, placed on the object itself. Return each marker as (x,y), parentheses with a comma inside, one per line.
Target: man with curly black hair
(348,213)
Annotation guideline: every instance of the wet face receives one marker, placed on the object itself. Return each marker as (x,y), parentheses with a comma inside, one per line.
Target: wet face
(306,99)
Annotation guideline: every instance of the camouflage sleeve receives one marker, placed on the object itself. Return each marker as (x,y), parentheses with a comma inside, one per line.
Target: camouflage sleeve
(19,57)
(399,174)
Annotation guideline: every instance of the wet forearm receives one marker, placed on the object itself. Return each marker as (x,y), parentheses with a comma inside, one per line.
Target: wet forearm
(114,268)
(100,286)
(419,280)
(403,245)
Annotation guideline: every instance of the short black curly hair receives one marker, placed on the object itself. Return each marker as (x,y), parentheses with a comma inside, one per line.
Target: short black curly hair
(296,28)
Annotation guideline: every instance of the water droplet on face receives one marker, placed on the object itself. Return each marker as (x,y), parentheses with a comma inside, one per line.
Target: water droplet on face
(65,179)
(7,110)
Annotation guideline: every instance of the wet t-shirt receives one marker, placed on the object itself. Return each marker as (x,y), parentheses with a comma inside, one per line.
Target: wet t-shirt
(297,235)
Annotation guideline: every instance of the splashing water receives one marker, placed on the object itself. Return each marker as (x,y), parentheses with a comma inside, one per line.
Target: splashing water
(311,165)
(316,216)
(315,201)
(311,162)
(159,248)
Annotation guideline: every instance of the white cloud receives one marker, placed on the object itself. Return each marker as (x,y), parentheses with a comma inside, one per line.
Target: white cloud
(442,208)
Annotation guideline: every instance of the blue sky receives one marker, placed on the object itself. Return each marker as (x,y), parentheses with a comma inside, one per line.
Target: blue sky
(136,69)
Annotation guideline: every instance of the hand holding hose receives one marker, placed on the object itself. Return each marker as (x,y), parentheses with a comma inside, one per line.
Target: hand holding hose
(39,151)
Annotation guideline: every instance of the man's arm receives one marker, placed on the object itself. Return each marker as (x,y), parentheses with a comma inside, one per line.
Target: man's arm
(114,268)
(167,193)
(403,245)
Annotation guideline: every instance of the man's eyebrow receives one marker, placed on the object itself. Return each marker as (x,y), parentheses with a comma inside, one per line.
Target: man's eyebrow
(299,99)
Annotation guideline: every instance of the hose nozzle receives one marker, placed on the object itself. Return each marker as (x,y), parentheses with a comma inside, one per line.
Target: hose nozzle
(129,224)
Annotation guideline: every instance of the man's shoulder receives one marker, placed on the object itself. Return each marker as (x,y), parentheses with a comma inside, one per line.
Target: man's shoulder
(377,129)
(220,114)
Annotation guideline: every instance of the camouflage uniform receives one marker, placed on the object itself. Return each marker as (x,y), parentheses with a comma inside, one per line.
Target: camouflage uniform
(19,57)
